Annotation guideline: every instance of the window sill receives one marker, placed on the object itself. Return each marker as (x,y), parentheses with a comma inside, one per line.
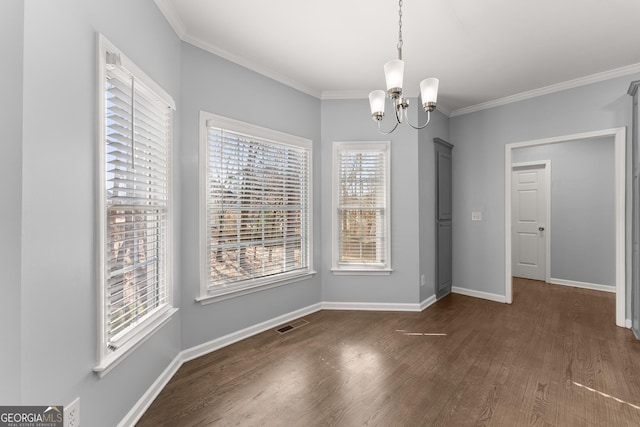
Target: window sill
(222,294)
(361,272)
(111,360)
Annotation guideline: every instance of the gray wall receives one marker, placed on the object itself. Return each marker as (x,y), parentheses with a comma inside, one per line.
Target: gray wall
(582,208)
(214,85)
(11,44)
(438,128)
(58,305)
(478,170)
(350,120)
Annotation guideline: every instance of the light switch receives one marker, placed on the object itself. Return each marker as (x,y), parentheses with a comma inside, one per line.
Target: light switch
(476,216)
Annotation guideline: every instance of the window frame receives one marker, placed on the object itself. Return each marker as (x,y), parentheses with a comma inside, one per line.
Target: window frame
(360,268)
(108,356)
(210,294)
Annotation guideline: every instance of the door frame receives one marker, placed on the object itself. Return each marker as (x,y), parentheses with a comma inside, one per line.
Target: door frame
(619,136)
(546,165)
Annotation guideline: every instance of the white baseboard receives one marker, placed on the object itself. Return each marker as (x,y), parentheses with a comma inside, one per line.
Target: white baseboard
(213,345)
(583,285)
(628,323)
(141,406)
(479,294)
(427,302)
(370,306)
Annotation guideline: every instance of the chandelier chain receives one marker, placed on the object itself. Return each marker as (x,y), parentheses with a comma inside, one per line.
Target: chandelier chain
(400,42)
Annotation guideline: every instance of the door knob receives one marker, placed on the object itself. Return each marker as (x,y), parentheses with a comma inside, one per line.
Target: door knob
(540,228)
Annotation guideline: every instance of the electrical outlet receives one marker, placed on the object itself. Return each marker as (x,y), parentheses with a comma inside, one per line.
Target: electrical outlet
(72,414)
(423,280)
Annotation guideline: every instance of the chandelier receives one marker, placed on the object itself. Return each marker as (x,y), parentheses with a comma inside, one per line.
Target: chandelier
(394,71)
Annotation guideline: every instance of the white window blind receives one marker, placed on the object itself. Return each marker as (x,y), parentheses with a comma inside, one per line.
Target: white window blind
(257,209)
(137,133)
(361,205)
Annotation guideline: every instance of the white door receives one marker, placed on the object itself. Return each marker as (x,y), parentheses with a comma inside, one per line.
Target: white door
(529,220)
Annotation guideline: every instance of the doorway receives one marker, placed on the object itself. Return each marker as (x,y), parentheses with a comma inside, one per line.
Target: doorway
(619,137)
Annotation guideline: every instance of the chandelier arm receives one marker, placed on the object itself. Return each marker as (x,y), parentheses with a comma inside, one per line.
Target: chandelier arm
(424,125)
(387,133)
(398,117)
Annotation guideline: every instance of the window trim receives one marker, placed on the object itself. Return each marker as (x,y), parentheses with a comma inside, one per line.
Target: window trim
(107,360)
(338,268)
(208,295)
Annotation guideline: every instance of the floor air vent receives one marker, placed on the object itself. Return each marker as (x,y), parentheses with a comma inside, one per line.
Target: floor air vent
(291,326)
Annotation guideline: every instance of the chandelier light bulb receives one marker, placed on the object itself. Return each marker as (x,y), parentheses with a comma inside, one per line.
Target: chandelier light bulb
(376,102)
(429,93)
(394,73)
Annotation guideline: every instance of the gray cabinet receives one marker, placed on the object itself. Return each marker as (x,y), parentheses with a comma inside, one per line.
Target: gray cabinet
(444,230)
(635,229)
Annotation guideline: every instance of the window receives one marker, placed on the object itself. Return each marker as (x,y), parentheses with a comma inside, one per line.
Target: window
(256,207)
(361,225)
(134,206)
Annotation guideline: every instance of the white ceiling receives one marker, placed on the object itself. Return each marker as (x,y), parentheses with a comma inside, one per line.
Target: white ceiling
(484,52)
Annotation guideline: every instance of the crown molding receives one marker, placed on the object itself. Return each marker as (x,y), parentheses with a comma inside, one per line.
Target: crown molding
(570,84)
(173,17)
(251,65)
(443,109)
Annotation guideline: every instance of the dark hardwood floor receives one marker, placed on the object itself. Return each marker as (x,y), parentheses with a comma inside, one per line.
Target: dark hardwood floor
(552,358)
